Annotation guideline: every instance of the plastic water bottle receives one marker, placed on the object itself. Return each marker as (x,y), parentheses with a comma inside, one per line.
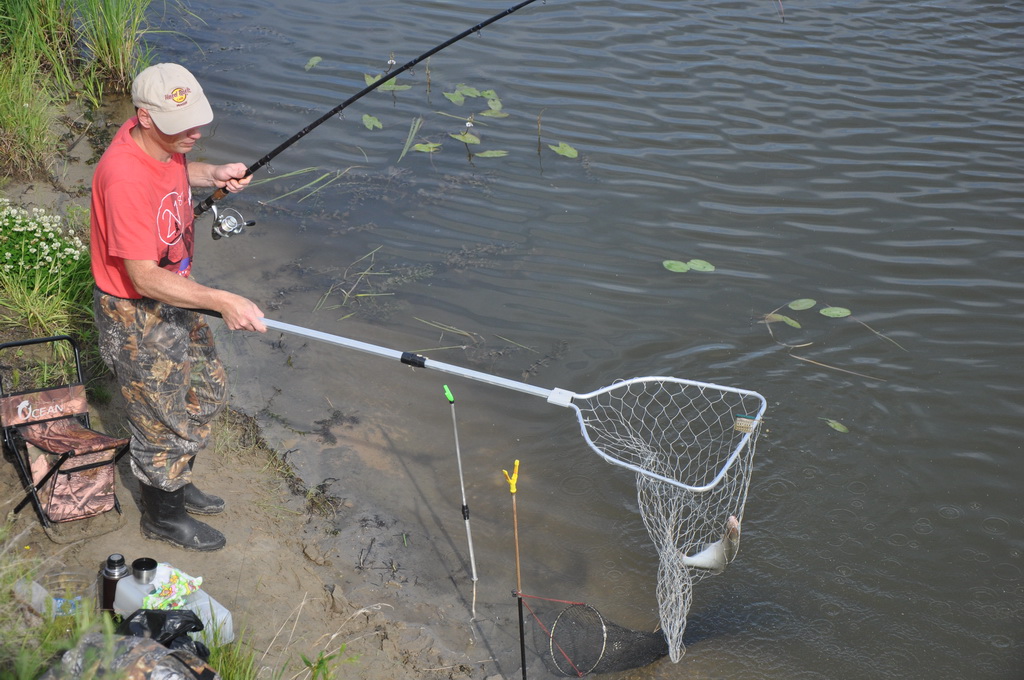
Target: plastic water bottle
(114,569)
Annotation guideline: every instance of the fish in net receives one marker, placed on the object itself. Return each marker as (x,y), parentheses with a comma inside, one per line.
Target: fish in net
(692,446)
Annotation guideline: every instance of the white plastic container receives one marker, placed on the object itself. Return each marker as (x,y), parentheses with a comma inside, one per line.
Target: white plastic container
(129,594)
(217,624)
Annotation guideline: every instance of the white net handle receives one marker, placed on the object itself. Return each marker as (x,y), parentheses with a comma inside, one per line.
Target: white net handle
(634,450)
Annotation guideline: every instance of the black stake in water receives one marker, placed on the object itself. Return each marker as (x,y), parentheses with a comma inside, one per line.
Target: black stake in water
(205,205)
(462,485)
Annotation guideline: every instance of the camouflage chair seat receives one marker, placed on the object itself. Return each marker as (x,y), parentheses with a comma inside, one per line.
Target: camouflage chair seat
(66,466)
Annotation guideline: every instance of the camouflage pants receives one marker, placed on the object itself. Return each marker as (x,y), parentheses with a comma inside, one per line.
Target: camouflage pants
(170,376)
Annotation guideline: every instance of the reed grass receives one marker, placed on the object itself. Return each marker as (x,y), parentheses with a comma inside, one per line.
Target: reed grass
(36,75)
(28,142)
(45,29)
(56,51)
(112,33)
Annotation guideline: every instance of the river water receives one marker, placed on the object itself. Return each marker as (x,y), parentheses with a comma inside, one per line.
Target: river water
(862,154)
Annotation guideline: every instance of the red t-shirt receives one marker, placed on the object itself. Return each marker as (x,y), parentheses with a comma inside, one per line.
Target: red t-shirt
(141,210)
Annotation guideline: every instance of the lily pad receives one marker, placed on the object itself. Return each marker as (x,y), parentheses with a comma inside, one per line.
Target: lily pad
(313,61)
(564,149)
(467,91)
(372,123)
(455,98)
(676,266)
(836,425)
(835,312)
(493,153)
(802,303)
(465,137)
(392,86)
(429,147)
(494,109)
(701,266)
(389,86)
(784,319)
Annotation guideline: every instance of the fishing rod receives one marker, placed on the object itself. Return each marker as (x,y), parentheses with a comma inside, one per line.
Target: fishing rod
(226,225)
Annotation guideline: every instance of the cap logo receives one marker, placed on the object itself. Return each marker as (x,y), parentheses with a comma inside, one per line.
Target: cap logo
(179,94)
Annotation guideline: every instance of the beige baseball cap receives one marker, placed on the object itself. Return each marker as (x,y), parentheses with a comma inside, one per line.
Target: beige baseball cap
(173,97)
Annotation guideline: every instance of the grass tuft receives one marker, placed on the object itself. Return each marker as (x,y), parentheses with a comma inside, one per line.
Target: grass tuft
(32,638)
(54,51)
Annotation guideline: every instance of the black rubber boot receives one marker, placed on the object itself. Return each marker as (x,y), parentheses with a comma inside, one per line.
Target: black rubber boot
(199,503)
(164,519)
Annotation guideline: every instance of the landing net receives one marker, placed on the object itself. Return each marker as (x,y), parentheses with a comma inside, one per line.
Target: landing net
(692,446)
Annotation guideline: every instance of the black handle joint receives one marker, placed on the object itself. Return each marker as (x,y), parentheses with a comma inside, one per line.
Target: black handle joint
(413,359)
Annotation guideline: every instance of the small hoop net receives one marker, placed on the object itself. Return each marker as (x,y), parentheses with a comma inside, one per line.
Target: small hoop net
(583,642)
(692,446)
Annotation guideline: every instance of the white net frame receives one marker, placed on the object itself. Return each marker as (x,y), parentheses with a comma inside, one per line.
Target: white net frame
(692,446)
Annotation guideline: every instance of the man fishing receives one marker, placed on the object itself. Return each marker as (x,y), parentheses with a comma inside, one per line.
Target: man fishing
(158,346)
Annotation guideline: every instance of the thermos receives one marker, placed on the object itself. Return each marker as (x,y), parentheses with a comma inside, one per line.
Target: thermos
(114,569)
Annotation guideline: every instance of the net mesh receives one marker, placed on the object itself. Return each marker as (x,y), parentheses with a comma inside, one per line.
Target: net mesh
(692,446)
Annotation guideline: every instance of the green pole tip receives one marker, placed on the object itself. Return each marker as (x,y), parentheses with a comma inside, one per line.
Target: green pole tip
(448,393)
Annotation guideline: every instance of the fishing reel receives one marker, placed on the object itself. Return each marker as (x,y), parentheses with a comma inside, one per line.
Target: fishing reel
(228,223)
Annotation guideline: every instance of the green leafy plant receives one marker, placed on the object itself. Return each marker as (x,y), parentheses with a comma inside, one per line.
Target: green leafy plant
(461,92)
(466,137)
(390,86)
(324,666)
(695,265)
(45,279)
(462,95)
(563,149)
(836,425)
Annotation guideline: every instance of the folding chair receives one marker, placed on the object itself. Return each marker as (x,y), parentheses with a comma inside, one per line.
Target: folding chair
(67,467)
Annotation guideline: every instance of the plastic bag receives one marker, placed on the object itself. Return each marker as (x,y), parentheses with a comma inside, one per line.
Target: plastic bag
(169,627)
